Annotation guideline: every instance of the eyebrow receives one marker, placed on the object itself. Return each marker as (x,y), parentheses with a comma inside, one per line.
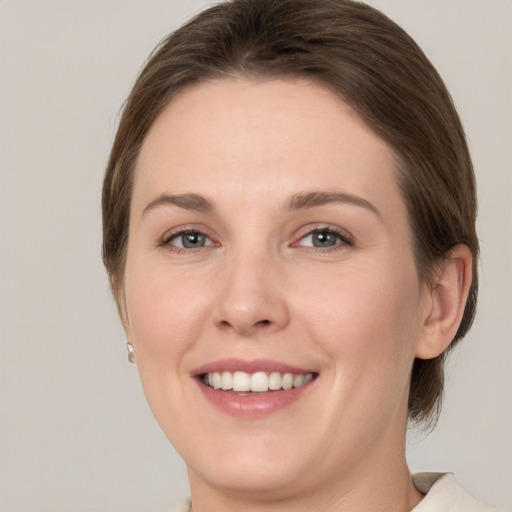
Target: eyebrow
(299,201)
(193,202)
(305,200)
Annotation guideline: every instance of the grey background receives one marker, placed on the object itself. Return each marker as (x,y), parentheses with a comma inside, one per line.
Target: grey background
(75,432)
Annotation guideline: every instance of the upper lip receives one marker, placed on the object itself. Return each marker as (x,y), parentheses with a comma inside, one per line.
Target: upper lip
(253,366)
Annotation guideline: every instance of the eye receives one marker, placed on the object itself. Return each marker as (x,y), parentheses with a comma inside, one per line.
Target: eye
(324,238)
(189,239)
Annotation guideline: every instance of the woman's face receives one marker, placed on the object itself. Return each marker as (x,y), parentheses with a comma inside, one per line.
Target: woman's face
(268,237)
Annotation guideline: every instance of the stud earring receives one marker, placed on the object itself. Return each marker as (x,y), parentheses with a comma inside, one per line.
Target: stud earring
(131,355)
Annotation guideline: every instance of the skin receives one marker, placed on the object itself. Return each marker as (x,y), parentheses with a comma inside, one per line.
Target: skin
(354,312)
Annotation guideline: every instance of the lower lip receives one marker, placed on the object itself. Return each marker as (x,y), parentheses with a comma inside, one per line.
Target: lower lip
(253,405)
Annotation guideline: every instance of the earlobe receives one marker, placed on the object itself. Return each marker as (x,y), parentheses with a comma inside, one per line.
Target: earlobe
(446,302)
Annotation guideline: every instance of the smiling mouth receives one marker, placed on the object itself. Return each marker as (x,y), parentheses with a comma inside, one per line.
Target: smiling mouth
(258,382)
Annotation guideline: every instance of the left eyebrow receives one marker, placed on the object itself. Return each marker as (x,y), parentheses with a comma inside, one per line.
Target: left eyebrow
(305,200)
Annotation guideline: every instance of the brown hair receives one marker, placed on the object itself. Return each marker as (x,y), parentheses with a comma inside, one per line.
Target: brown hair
(374,66)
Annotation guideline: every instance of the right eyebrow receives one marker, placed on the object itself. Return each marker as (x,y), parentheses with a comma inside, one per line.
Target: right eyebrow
(193,202)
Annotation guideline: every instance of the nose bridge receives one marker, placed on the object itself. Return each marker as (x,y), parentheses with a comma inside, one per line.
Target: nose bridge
(251,298)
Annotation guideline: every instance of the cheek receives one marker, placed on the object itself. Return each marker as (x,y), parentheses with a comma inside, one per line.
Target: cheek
(166,316)
(165,313)
(367,321)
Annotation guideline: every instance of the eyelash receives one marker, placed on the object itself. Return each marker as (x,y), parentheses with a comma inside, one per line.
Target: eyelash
(344,240)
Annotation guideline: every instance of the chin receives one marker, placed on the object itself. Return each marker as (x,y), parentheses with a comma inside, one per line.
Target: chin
(263,477)
(267,467)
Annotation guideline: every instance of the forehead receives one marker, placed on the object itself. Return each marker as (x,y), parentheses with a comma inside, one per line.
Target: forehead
(239,136)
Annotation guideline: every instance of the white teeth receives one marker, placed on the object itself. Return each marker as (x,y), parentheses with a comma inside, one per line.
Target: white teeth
(258,382)
(241,381)
(226,381)
(298,380)
(217,380)
(274,381)
(288,381)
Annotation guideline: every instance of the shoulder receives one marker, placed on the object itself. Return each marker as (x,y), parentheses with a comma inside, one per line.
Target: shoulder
(443,493)
(183,506)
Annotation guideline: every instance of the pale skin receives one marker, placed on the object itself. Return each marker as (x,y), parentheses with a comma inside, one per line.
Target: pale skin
(298,250)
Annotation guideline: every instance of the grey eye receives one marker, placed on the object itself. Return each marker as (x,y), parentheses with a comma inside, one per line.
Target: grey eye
(321,238)
(325,239)
(190,240)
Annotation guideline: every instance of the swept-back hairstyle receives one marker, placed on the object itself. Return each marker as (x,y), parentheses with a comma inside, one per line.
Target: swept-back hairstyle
(371,64)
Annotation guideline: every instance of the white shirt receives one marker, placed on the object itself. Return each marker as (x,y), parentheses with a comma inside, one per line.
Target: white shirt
(442,494)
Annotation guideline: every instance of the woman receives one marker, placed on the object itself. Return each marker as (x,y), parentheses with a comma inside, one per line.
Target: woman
(289,231)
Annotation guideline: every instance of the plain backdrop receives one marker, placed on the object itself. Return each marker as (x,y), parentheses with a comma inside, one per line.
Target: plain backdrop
(75,432)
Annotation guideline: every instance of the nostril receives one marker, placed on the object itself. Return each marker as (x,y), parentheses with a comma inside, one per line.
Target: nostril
(246,328)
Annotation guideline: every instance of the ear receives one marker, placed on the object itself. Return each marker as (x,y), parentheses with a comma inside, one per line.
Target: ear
(444,303)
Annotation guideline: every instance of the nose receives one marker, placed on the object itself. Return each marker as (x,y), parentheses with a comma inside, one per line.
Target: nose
(252,298)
